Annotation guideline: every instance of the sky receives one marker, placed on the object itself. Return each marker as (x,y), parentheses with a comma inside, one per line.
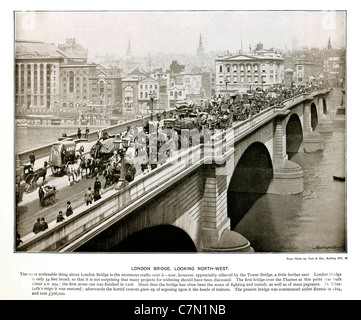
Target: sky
(108,32)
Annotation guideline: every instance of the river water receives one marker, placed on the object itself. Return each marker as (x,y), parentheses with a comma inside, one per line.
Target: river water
(313,221)
(30,137)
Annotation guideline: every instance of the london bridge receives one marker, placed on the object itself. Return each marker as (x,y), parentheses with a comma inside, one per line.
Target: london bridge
(188,194)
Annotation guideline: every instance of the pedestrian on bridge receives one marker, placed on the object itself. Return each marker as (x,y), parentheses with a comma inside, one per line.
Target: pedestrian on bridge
(69,209)
(79,133)
(88,197)
(32,160)
(60,217)
(44,224)
(37,226)
(86,133)
(97,187)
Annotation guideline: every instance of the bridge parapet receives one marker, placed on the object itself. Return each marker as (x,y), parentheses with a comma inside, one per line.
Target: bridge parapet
(114,205)
(89,221)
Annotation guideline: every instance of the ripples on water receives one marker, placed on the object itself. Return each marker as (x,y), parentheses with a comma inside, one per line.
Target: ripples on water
(310,220)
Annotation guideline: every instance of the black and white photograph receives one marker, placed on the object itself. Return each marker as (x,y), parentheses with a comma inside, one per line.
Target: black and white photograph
(195,136)
(200,139)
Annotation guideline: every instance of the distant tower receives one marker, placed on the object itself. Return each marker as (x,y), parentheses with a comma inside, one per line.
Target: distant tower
(129,49)
(329,46)
(200,50)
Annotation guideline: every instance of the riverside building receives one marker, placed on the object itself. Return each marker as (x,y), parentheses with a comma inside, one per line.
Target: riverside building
(260,68)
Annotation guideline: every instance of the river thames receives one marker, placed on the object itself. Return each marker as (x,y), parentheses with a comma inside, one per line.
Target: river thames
(29,137)
(313,221)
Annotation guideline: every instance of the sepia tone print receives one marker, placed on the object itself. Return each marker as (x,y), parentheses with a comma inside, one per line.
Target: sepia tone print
(180,131)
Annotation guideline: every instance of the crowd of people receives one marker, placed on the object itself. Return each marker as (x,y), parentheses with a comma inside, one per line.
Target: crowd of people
(239,106)
(246,104)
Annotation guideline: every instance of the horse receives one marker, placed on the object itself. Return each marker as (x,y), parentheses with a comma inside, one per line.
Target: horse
(89,167)
(82,166)
(72,173)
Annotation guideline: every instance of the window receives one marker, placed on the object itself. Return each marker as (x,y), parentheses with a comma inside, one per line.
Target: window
(255,68)
(150,87)
(171,93)
(242,79)
(234,69)
(155,86)
(220,69)
(141,86)
(228,69)
(256,79)
(263,68)
(234,80)
(71,81)
(141,95)
(249,79)
(248,68)
(242,67)
(180,93)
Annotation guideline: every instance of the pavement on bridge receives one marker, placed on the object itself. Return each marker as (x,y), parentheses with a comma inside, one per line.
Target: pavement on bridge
(29,209)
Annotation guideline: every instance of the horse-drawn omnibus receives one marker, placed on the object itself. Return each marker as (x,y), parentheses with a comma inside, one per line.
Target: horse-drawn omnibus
(61,153)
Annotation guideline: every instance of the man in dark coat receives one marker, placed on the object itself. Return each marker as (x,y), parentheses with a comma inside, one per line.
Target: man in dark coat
(37,226)
(69,209)
(44,224)
(60,217)
(97,187)
(32,160)
(79,133)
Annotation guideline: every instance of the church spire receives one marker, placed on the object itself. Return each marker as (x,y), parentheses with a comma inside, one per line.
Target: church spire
(200,50)
(329,46)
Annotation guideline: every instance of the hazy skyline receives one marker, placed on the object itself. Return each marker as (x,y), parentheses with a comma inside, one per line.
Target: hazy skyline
(107,32)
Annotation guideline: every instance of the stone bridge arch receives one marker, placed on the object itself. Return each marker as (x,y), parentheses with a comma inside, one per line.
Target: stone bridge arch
(314,116)
(250,180)
(176,212)
(161,238)
(294,135)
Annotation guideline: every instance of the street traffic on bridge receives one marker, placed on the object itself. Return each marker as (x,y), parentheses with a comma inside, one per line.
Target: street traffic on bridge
(115,159)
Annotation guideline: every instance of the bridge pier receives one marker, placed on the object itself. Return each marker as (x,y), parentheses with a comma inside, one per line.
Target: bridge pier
(312,140)
(287,175)
(287,179)
(325,123)
(215,225)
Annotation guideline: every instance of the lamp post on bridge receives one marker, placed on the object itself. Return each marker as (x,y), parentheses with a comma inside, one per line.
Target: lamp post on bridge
(226,81)
(152,95)
(125,142)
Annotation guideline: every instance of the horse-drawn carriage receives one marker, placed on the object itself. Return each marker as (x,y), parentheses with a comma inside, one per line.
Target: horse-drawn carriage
(31,176)
(47,195)
(108,154)
(61,154)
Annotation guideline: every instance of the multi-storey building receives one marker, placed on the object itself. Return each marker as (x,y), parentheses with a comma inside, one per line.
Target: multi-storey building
(247,71)
(148,88)
(192,84)
(306,67)
(130,94)
(37,72)
(176,94)
(50,78)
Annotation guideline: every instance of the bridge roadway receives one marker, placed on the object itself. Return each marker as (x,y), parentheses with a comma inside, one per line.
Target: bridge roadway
(116,204)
